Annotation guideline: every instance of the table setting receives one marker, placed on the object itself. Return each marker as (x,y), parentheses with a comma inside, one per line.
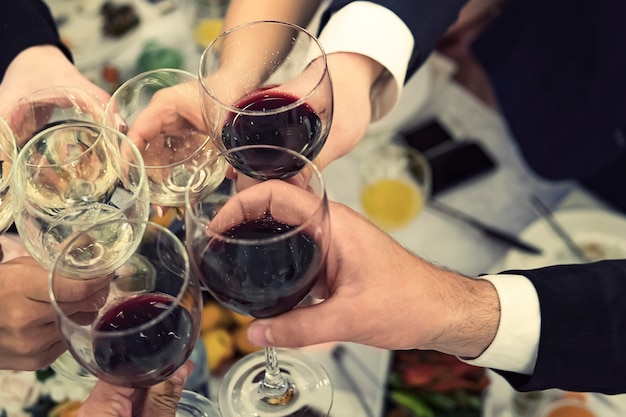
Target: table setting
(132,203)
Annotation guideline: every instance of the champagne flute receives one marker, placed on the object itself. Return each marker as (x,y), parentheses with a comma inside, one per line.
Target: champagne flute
(174,149)
(259,252)
(46,107)
(266,82)
(70,176)
(146,325)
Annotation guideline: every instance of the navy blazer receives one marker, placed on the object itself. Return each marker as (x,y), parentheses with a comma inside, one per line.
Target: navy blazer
(427,20)
(582,342)
(25,23)
(558,68)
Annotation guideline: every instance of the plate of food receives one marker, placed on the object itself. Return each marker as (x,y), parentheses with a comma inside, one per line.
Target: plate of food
(600,233)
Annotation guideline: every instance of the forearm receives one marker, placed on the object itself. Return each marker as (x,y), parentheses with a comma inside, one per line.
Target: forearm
(298,12)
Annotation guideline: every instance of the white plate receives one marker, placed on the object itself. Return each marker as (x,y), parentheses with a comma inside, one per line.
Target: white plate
(600,233)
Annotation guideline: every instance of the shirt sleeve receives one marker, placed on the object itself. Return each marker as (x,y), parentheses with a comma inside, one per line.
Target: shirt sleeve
(515,347)
(23,24)
(354,28)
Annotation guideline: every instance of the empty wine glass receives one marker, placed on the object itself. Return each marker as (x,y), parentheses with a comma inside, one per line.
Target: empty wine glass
(267,82)
(70,176)
(159,111)
(259,250)
(43,108)
(146,325)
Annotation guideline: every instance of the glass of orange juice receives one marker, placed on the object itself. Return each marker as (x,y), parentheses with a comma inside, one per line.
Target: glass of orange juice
(395,185)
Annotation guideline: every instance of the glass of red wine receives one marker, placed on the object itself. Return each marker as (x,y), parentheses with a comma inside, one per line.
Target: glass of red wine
(146,319)
(266,82)
(259,250)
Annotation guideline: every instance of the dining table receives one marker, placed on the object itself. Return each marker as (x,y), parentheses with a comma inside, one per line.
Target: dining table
(500,199)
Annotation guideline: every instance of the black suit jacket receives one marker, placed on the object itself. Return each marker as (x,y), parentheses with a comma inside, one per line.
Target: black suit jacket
(25,23)
(582,344)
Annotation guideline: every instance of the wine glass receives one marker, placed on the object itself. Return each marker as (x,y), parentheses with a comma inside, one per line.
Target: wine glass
(259,250)
(70,176)
(267,82)
(46,107)
(173,150)
(8,152)
(146,325)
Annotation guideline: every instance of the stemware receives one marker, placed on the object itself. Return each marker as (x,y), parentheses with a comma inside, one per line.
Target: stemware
(146,325)
(46,107)
(259,250)
(171,150)
(70,176)
(267,82)
(8,152)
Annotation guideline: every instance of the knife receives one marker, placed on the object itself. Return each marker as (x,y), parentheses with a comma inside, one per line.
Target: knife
(490,231)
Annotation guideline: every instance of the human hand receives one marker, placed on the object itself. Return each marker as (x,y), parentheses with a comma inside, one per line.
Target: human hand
(160,400)
(353,76)
(377,293)
(41,67)
(29,337)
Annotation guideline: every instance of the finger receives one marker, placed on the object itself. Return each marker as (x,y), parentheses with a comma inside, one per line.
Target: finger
(68,290)
(91,304)
(107,400)
(162,399)
(32,353)
(304,326)
(275,197)
(35,287)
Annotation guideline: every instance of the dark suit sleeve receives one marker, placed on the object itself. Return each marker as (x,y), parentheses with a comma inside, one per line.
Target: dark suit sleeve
(427,20)
(25,23)
(582,345)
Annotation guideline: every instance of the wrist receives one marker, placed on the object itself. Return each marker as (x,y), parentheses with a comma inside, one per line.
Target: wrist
(471,324)
(36,55)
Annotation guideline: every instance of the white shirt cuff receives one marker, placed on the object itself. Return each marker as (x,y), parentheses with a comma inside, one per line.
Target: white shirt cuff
(374,31)
(516,343)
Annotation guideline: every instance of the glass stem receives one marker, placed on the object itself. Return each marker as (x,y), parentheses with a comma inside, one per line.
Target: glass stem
(275,389)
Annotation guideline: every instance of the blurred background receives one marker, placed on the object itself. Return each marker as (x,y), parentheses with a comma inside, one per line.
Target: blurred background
(113,40)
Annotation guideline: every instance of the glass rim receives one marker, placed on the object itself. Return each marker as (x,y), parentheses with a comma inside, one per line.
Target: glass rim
(145,74)
(109,106)
(290,106)
(70,87)
(143,177)
(323,198)
(116,333)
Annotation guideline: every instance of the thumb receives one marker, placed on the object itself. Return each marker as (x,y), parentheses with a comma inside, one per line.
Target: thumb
(303,326)
(162,399)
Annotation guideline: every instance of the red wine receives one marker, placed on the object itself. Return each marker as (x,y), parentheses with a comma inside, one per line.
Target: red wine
(299,129)
(260,280)
(144,357)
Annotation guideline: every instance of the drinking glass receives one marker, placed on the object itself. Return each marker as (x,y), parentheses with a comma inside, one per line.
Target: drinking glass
(259,250)
(43,108)
(171,150)
(267,82)
(8,153)
(395,183)
(70,176)
(146,325)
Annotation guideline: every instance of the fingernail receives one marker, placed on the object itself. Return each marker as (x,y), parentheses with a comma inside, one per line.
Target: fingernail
(260,334)
(180,376)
